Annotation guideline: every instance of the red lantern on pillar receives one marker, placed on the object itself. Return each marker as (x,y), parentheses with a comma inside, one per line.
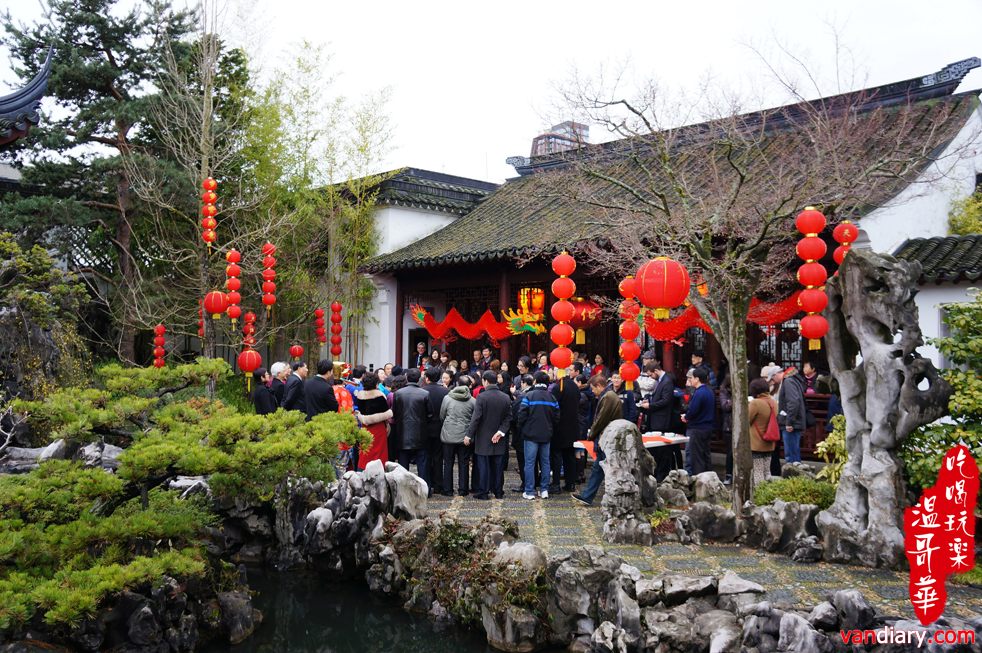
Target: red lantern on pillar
(662,284)
(812,275)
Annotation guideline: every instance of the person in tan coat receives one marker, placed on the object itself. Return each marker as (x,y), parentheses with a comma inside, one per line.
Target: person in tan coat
(762,408)
(609,408)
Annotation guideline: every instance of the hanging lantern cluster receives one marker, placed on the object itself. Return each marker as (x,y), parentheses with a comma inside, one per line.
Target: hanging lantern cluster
(563,311)
(812,275)
(209,223)
(232,284)
(269,276)
(629,330)
(336,320)
(845,234)
(249,330)
(319,325)
(249,360)
(158,346)
(661,285)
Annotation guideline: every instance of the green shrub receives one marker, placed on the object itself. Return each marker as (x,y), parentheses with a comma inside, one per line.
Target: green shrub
(798,488)
(833,451)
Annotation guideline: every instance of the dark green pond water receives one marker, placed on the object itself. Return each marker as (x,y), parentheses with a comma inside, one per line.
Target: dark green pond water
(303,613)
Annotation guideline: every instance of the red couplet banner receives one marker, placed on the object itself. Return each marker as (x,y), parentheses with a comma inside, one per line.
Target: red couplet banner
(939,533)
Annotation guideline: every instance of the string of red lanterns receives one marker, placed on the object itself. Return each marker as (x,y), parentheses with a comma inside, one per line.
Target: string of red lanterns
(158,346)
(232,284)
(563,311)
(629,350)
(249,360)
(201,322)
(209,223)
(845,234)
(336,319)
(812,275)
(319,326)
(269,276)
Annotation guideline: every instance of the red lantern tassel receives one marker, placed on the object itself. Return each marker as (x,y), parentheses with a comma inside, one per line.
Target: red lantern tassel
(814,344)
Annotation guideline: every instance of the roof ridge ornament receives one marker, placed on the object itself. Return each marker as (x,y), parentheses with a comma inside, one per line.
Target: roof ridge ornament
(952,72)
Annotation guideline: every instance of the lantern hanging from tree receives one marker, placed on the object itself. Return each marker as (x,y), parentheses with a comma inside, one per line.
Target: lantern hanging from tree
(209,211)
(563,334)
(662,284)
(629,350)
(269,274)
(232,283)
(845,234)
(249,361)
(296,351)
(586,314)
(336,319)
(216,303)
(158,342)
(812,275)
(319,323)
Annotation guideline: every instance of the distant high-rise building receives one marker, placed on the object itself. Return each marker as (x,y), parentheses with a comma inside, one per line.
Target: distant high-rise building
(565,136)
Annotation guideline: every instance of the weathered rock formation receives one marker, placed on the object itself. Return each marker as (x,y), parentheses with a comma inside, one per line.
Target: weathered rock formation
(629,485)
(871,312)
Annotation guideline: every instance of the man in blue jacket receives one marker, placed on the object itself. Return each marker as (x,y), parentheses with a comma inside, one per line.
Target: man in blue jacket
(538,417)
(699,419)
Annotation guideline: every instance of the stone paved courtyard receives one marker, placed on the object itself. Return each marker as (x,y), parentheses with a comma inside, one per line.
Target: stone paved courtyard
(559,524)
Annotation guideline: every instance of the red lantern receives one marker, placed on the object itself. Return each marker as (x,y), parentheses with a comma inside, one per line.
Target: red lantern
(249,340)
(249,361)
(248,329)
(209,184)
(269,262)
(812,274)
(336,350)
(562,335)
(335,340)
(322,339)
(561,358)
(840,253)
(626,288)
(232,256)
(563,311)
(662,284)
(335,328)
(209,237)
(319,322)
(845,233)
(234,297)
(321,331)
(811,248)
(630,309)
(159,352)
(269,286)
(336,307)
(232,284)
(159,341)
(269,275)
(209,223)
(209,197)
(319,313)
(563,288)
(249,318)
(564,265)
(813,327)
(336,318)
(269,300)
(269,249)
(216,303)
(234,312)
(232,270)
(630,372)
(159,330)
(586,314)
(630,330)
(296,351)
(209,211)
(630,351)
(810,222)
(201,323)
(201,333)
(159,362)
(813,300)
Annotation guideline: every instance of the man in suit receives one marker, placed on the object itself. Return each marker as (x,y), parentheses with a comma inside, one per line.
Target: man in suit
(658,404)
(280,372)
(418,359)
(319,391)
(489,424)
(294,397)
(434,454)
(411,412)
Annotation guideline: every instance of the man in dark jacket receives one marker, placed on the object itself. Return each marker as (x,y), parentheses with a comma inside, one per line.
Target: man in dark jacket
(659,406)
(609,408)
(489,424)
(538,417)
(699,419)
(699,360)
(262,396)
(561,452)
(294,397)
(525,384)
(411,412)
(791,413)
(280,372)
(319,391)
(418,359)
(434,454)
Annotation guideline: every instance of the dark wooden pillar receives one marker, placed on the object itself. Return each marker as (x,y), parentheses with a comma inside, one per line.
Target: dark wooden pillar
(668,358)
(504,296)
(400,313)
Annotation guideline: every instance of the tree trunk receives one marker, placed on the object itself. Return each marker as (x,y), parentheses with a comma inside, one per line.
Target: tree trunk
(735,345)
(124,237)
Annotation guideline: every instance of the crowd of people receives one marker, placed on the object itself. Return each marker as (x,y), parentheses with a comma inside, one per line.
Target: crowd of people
(442,414)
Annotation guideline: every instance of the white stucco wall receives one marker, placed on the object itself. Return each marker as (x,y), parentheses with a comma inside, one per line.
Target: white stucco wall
(921,210)
(929,300)
(399,226)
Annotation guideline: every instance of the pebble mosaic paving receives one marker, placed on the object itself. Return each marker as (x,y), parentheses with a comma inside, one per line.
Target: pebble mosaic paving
(558,525)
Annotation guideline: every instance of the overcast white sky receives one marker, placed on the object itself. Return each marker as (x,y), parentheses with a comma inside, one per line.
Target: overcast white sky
(469,79)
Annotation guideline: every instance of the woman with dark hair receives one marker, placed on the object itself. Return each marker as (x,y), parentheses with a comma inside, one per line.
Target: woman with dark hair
(262,396)
(544,365)
(599,367)
(373,414)
(504,382)
(434,360)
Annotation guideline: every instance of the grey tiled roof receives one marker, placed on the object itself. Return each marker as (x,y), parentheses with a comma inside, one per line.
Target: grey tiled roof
(947,258)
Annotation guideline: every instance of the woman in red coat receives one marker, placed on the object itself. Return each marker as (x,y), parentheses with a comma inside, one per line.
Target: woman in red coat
(373,414)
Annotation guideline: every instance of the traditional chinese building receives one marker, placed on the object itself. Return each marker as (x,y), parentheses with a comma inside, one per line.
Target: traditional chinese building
(19,110)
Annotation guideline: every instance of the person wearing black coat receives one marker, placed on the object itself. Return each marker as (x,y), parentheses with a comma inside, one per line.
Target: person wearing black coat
(319,391)
(434,457)
(538,419)
(411,412)
(294,397)
(489,424)
(660,404)
(525,384)
(262,396)
(561,452)
(279,372)
(587,400)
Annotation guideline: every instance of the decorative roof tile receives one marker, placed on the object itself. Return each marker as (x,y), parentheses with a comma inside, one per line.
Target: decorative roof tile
(947,258)
(19,110)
